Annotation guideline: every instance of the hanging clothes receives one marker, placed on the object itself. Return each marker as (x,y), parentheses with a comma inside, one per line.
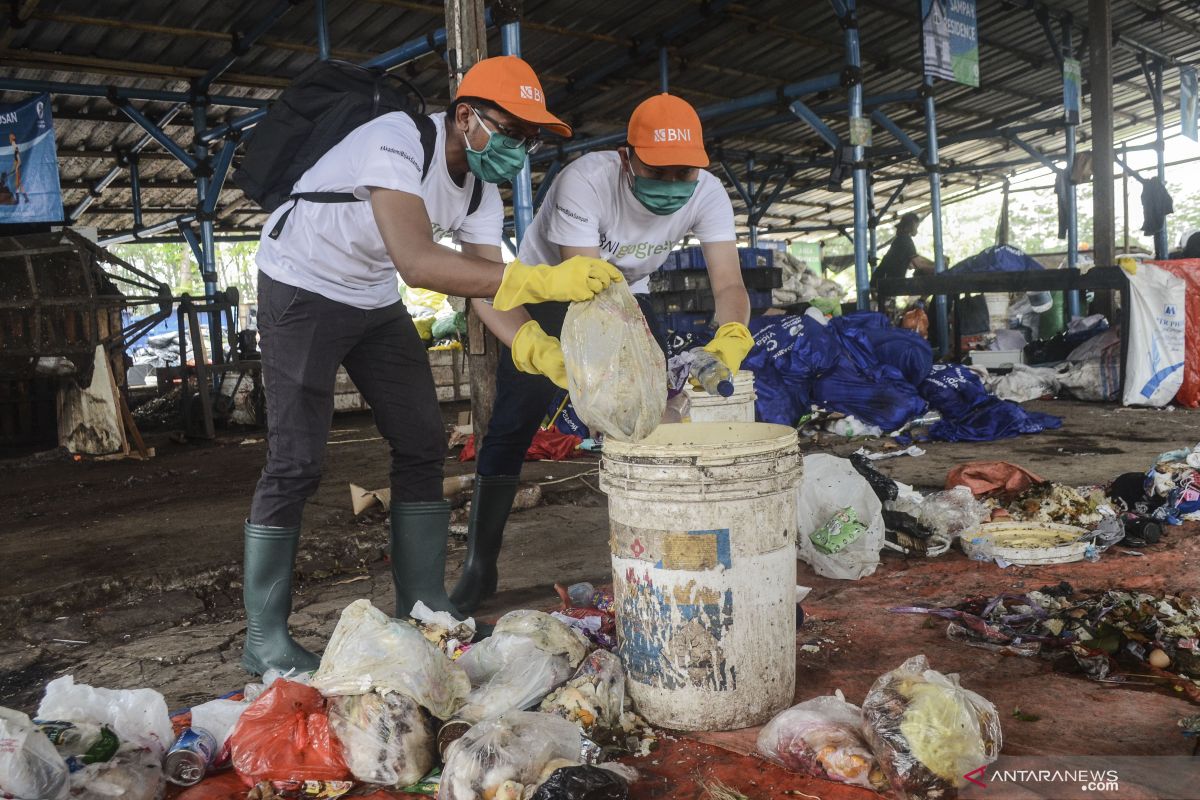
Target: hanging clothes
(1156,204)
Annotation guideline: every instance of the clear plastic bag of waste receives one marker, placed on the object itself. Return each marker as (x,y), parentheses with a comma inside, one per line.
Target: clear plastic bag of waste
(616,372)
(928,731)
(134,773)
(386,739)
(30,766)
(823,737)
(502,757)
(138,716)
(594,697)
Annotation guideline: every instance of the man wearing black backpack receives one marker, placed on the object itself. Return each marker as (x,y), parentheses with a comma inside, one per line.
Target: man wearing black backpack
(370,206)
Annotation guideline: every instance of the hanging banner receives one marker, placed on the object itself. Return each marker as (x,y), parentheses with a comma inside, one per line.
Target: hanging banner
(1187,102)
(1072,93)
(950,41)
(29,188)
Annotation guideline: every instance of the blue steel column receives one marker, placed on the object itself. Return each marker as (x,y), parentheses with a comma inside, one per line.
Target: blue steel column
(1072,298)
(208,261)
(522,185)
(664,69)
(935,210)
(322,31)
(751,205)
(1161,246)
(854,61)
(872,223)
(135,190)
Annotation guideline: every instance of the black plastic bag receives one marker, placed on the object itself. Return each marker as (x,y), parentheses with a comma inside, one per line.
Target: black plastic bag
(583,783)
(884,487)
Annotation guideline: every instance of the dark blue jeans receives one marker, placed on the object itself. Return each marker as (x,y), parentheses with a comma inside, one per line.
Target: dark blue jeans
(522,399)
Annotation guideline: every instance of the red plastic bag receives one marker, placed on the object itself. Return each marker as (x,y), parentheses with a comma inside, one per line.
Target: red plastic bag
(546,446)
(1189,270)
(284,736)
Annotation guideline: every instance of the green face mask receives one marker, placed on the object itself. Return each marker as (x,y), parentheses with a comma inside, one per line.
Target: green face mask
(500,159)
(662,197)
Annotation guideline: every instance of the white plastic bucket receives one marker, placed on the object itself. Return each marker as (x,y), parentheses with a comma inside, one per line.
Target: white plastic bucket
(738,407)
(997,306)
(703,533)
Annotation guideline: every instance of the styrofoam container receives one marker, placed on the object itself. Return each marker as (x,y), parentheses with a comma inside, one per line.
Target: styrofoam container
(997,358)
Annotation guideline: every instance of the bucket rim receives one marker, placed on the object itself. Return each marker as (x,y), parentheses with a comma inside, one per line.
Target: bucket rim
(685,440)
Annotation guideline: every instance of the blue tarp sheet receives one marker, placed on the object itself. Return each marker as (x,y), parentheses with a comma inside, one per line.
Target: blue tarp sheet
(1001,258)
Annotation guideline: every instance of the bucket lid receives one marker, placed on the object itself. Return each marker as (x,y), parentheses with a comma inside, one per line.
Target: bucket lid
(723,441)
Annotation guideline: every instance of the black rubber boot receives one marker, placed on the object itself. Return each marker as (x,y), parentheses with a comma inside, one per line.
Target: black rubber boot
(267,596)
(490,504)
(419,534)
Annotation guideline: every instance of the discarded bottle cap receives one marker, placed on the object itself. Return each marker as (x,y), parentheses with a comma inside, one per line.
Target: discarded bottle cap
(725,388)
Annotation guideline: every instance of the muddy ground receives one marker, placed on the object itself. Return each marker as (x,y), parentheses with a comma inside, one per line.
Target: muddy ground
(127,573)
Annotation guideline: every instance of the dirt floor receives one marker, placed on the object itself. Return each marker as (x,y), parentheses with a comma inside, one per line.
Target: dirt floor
(127,574)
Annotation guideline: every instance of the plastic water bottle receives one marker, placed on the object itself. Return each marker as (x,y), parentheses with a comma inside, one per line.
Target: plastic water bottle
(713,376)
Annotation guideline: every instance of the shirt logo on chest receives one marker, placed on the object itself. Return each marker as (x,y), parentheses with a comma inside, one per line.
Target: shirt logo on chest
(637,250)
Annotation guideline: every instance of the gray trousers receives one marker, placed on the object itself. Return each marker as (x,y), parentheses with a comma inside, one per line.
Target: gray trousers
(304,338)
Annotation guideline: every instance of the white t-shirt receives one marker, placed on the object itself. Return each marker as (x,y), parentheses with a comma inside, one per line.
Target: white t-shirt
(335,249)
(590,204)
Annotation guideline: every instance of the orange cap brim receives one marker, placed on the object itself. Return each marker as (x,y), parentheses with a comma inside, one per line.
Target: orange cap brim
(536,114)
(674,156)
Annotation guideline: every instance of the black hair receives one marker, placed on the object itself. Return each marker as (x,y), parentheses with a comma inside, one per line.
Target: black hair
(1192,248)
(471,101)
(909,220)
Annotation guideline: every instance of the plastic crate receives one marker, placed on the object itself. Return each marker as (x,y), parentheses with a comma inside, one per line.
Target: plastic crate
(756,257)
(702,301)
(687,322)
(692,279)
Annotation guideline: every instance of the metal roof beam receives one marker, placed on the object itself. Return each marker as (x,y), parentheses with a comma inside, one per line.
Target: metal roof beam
(121,92)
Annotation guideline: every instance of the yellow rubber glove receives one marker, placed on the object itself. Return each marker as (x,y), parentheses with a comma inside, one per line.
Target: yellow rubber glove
(731,344)
(538,353)
(577,278)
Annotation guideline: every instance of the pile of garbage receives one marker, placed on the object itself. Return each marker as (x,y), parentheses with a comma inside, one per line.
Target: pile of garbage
(440,319)
(529,713)
(918,733)
(1098,633)
(802,285)
(859,366)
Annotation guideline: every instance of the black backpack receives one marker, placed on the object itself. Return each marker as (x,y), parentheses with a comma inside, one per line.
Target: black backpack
(316,111)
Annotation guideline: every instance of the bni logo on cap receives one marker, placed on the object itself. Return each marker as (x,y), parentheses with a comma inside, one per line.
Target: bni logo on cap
(531,93)
(672,135)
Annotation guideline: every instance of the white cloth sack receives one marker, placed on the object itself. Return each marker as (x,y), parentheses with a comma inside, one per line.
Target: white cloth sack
(1157,345)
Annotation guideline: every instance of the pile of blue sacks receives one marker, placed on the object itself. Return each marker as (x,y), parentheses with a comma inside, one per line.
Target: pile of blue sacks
(859,364)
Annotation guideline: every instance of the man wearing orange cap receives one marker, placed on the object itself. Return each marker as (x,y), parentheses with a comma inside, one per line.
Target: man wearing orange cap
(631,207)
(328,296)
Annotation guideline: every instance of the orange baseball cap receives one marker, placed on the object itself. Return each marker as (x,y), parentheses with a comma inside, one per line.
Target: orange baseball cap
(665,131)
(509,82)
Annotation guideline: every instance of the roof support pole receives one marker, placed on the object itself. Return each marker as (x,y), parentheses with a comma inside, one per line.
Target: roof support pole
(885,122)
(816,123)
(97,90)
(322,31)
(872,224)
(242,43)
(135,189)
(158,134)
(1072,298)
(522,184)
(847,15)
(206,199)
(664,69)
(752,206)
(941,311)
(1100,77)
(1154,78)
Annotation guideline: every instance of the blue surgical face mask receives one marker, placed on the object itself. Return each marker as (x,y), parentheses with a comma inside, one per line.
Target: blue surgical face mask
(500,159)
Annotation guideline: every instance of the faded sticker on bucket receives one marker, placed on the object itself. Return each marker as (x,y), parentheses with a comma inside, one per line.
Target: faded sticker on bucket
(671,634)
(686,550)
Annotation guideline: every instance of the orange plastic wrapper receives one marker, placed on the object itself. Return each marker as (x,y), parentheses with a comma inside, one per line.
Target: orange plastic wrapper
(916,320)
(284,736)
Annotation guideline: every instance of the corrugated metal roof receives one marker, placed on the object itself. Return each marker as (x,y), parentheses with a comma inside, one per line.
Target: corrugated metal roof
(731,51)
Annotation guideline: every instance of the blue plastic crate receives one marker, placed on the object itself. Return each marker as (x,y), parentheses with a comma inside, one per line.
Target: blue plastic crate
(759,299)
(756,257)
(684,322)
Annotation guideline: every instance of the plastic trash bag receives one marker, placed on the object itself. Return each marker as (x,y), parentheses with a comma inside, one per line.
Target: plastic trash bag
(927,731)
(951,512)
(527,656)
(830,485)
(616,372)
(285,736)
(30,766)
(138,716)
(386,739)
(134,773)
(218,717)
(1157,343)
(370,651)
(500,757)
(594,697)
(823,737)
(584,782)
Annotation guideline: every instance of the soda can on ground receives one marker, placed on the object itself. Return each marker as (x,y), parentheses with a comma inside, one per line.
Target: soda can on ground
(190,757)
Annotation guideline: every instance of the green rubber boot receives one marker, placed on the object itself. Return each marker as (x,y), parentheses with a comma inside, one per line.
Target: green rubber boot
(267,595)
(419,534)
(490,505)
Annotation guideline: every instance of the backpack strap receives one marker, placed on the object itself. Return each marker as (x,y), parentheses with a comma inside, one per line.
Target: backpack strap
(312,197)
(427,129)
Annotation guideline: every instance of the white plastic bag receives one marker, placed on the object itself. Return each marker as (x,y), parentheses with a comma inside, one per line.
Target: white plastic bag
(594,697)
(218,718)
(830,485)
(1157,344)
(134,773)
(370,651)
(823,737)
(616,372)
(927,731)
(386,739)
(30,766)
(499,758)
(138,716)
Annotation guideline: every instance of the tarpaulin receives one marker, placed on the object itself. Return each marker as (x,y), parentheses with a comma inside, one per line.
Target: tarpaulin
(547,446)
(985,477)
(970,414)
(1189,270)
(1000,258)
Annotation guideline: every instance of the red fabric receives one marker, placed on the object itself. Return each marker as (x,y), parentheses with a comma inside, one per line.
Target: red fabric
(284,735)
(1189,270)
(987,477)
(546,446)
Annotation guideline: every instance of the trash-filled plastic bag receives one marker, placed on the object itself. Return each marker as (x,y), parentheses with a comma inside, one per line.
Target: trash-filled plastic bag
(386,739)
(616,372)
(927,731)
(831,485)
(594,697)
(527,656)
(30,766)
(285,736)
(138,716)
(218,717)
(134,773)
(500,757)
(823,737)
(370,651)
(584,782)
(952,512)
